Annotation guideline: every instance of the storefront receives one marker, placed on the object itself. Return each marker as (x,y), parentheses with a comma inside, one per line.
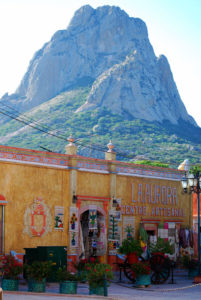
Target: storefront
(87,204)
(195,222)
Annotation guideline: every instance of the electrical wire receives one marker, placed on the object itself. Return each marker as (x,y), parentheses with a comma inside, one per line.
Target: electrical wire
(30,120)
(21,116)
(45,129)
(97,146)
(85,145)
(17,118)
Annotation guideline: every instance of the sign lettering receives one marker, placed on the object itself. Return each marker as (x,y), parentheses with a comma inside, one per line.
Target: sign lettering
(163,197)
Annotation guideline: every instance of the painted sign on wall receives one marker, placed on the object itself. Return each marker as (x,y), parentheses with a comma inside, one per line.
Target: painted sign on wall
(153,200)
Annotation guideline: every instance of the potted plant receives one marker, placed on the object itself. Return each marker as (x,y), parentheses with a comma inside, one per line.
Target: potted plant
(189,263)
(131,247)
(10,269)
(129,230)
(81,269)
(142,273)
(37,274)
(67,281)
(161,247)
(98,275)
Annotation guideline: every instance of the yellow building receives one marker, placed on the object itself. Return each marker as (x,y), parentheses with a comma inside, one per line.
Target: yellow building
(87,204)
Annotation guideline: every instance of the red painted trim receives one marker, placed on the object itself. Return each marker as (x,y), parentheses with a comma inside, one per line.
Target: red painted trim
(145,167)
(150,220)
(30,150)
(174,221)
(105,206)
(78,203)
(85,208)
(117,163)
(83,197)
(96,200)
(32,155)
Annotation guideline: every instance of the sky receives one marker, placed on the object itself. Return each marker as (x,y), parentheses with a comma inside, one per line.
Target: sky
(174,28)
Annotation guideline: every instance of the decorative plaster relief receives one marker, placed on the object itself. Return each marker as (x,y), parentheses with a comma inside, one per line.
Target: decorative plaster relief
(37,219)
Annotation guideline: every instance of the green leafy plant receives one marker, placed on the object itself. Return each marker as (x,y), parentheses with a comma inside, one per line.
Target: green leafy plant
(97,274)
(188,263)
(64,275)
(130,245)
(81,265)
(159,140)
(129,229)
(10,267)
(151,163)
(162,246)
(143,234)
(38,270)
(141,268)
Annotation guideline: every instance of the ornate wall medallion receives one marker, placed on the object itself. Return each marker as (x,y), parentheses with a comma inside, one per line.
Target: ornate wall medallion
(37,219)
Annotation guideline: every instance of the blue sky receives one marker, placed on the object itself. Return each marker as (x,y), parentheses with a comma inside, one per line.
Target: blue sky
(174,28)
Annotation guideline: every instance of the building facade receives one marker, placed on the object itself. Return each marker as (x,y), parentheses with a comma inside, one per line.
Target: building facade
(86,204)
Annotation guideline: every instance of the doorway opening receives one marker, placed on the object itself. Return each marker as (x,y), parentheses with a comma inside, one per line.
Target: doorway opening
(92,241)
(151,236)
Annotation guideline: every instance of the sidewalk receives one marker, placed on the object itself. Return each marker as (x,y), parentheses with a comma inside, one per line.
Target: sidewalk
(182,289)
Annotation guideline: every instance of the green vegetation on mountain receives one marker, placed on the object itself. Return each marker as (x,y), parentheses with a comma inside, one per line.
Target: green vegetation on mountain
(133,139)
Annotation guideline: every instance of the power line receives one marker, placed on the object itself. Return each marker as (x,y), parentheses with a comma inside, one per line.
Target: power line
(6,113)
(44,129)
(31,120)
(25,118)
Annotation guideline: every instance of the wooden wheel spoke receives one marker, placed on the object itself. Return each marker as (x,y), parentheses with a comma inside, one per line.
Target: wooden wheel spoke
(162,274)
(160,266)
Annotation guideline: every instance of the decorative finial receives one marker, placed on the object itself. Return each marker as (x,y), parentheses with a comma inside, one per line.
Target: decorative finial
(184,166)
(110,146)
(71,139)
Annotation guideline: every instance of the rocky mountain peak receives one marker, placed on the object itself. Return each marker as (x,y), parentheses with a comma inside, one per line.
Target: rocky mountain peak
(110,51)
(107,17)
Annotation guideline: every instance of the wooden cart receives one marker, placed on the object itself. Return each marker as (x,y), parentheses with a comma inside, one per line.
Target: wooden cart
(160,268)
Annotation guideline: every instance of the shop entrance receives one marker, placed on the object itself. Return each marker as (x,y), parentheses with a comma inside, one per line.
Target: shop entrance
(151,236)
(151,230)
(92,241)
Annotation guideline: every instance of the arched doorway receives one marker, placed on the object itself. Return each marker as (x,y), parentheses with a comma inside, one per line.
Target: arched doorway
(92,240)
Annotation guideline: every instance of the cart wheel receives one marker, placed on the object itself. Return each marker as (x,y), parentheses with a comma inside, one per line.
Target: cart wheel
(160,267)
(128,271)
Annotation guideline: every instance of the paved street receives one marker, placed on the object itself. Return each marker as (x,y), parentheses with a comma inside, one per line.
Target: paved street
(183,289)
(117,292)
